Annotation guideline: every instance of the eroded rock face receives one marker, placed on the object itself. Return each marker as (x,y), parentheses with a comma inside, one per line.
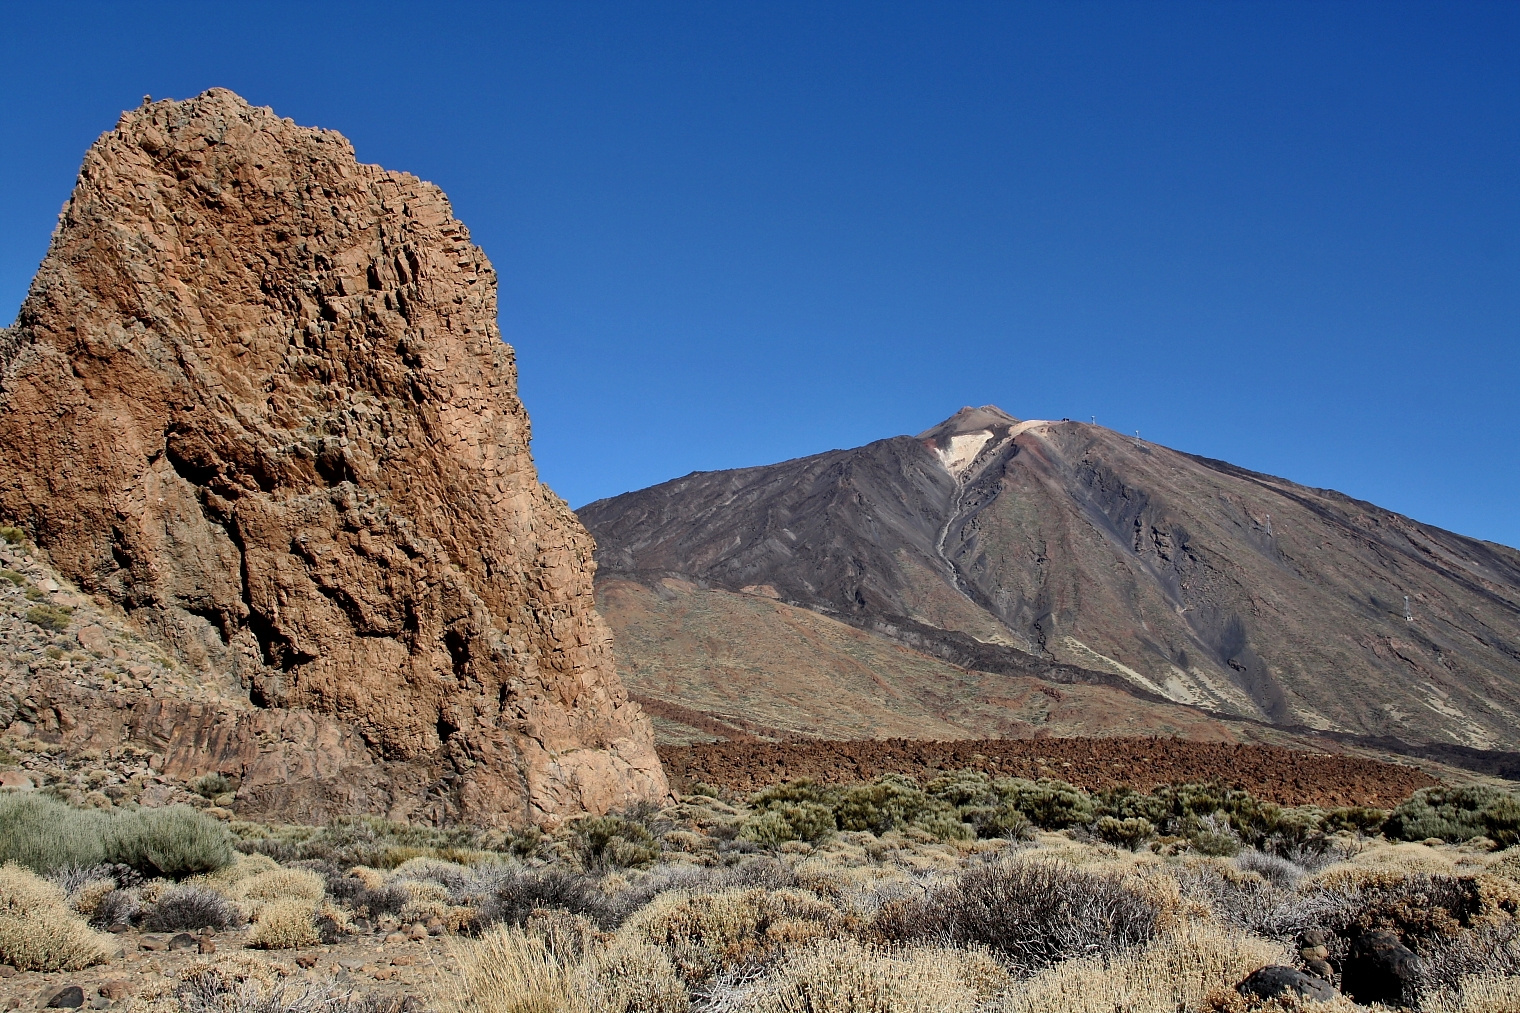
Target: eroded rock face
(258,398)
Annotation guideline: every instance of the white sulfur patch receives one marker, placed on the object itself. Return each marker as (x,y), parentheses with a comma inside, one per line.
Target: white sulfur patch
(963,450)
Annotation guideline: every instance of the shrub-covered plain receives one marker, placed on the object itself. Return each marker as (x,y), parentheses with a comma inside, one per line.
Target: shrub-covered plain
(959,893)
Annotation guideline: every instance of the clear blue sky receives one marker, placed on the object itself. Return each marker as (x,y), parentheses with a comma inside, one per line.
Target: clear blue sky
(1282,234)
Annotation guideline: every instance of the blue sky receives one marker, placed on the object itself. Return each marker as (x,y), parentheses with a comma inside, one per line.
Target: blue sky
(1285,235)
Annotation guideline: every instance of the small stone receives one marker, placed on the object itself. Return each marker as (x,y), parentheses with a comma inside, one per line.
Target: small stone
(206,944)
(436,927)
(307,960)
(417,932)
(100,1002)
(183,941)
(15,779)
(68,997)
(1320,969)
(119,928)
(384,973)
(404,960)
(7,971)
(150,943)
(395,937)
(116,988)
(1313,937)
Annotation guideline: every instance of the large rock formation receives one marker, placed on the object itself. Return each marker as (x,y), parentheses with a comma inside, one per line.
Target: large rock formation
(257,397)
(1057,548)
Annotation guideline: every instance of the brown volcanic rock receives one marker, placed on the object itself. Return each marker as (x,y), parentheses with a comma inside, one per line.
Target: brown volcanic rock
(257,397)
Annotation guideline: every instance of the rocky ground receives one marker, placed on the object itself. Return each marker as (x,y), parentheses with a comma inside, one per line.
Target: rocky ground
(1280,775)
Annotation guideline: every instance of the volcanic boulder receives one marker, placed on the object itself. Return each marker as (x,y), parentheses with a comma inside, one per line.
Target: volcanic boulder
(257,397)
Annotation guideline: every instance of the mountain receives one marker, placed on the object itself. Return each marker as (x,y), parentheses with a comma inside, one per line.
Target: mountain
(256,402)
(1067,553)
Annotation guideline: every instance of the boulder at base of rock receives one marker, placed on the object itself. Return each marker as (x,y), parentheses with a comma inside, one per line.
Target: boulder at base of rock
(1380,968)
(1278,979)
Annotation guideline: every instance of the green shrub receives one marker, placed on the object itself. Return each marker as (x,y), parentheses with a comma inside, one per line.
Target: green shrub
(366,840)
(1047,803)
(1210,835)
(11,575)
(1002,821)
(1501,821)
(1453,814)
(46,835)
(12,535)
(801,821)
(174,842)
(792,792)
(1356,819)
(963,788)
(50,617)
(894,802)
(1125,803)
(211,785)
(614,842)
(1129,833)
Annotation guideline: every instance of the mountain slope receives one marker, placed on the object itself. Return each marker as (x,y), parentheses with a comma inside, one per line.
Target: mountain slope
(1049,548)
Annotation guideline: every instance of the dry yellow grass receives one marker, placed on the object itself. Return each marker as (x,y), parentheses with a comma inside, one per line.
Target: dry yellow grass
(1484,993)
(510,971)
(844,976)
(1174,972)
(285,924)
(38,929)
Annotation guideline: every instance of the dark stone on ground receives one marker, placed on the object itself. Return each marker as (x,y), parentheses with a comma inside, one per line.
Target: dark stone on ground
(1278,979)
(1380,968)
(183,941)
(68,997)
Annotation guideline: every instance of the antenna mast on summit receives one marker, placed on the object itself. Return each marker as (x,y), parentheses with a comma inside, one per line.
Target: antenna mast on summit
(1408,615)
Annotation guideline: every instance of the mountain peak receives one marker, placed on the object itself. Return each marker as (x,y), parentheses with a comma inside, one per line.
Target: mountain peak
(969,420)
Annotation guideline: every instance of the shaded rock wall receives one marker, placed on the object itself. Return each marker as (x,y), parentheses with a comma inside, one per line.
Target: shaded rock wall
(257,397)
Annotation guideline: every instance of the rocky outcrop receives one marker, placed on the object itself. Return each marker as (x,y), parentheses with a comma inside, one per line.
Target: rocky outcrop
(257,397)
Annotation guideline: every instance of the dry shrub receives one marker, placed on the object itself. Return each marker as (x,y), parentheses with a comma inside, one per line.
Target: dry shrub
(243,867)
(38,929)
(86,900)
(1033,912)
(705,932)
(285,924)
(632,977)
(1173,972)
(279,884)
(191,907)
(508,970)
(1483,993)
(843,976)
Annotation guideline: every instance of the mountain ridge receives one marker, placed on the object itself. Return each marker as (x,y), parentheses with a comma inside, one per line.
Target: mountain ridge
(1067,544)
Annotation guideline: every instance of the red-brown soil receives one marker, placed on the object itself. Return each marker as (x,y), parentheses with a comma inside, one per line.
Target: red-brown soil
(1285,776)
